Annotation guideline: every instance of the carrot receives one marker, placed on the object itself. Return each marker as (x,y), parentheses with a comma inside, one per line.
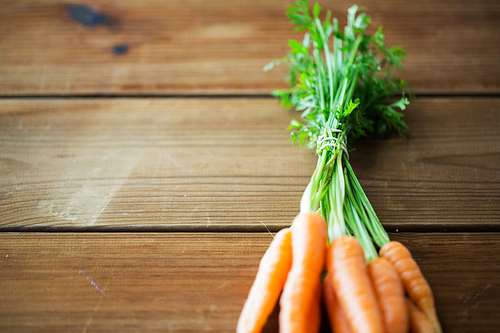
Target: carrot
(414,281)
(346,262)
(419,323)
(300,300)
(268,284)
(338,321)
(314,312)
(390,294)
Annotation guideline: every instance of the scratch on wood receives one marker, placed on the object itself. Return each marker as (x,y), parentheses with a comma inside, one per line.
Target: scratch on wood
(222,285)
(477,294)
(267,229)
(98,305)
(85,203)
(471,303)
(96,308)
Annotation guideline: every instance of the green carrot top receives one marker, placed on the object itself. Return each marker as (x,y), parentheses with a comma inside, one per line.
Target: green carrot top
(341,83)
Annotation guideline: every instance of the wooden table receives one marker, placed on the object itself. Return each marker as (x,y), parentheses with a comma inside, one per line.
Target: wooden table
(143,163)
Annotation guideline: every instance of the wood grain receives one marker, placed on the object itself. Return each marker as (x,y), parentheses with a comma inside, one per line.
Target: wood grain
(445,175)
(225,164)
(207,47)
(162,204)
(193,282)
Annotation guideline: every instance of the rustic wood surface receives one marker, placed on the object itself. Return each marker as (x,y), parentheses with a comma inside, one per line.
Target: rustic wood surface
(193,47)
(194,282)
(143,162)
(204,163)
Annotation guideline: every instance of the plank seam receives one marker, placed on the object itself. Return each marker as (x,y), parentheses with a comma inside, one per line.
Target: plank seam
(459,94)
(254,228)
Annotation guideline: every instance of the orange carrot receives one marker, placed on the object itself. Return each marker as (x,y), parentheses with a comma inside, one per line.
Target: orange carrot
(390,294)
(414,281)
(314,312)
(338,321)
(300,300)
(268,284)
(419,323)
(351,282)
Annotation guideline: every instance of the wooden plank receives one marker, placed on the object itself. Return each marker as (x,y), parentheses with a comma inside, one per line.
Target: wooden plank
(103,282)
(226,164)
(156,163)
(193,47)
(445,175)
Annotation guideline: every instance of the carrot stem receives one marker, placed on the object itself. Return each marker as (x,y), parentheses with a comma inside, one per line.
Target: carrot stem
(336,221)
(358,228)
(372,222)
(352,211)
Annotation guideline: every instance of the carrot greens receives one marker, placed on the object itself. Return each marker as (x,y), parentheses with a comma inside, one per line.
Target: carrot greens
(340,81)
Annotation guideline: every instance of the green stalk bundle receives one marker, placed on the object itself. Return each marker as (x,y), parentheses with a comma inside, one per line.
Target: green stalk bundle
(340,81)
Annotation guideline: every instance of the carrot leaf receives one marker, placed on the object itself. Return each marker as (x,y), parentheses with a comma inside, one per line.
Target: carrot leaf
(341,81)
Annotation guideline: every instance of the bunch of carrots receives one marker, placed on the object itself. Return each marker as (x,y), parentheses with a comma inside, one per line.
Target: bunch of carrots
(341,82)
(388,294)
